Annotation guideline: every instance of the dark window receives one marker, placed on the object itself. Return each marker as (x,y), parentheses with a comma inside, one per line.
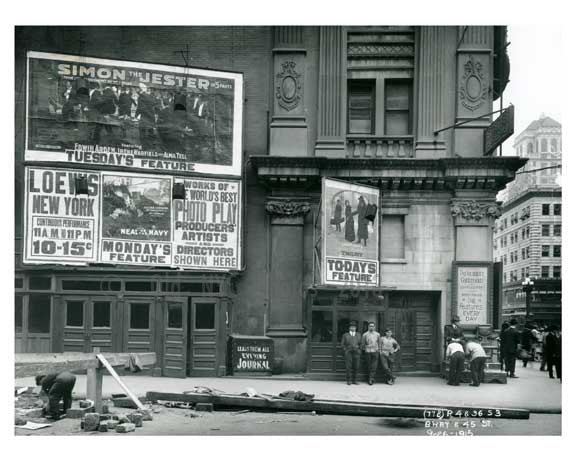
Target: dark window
(557,251)
(40,283)
(361,106)
(190,287)
(557,230)
(18,282)
(322,299)
(39,314)
(322,326)
(101,314)
(545,209)
(545,250)
(18,312)
(205,316)
(175,315)
(545,272)
(557,209)
(398,108)
(392,241)
(557,272)
(139,316)
(91,285)
(545,230)
(141,286)
(74,313)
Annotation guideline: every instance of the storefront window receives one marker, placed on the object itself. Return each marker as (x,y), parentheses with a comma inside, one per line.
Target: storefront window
(322,326)
(40,283)
(39,314)
(18,312)
(205,316)
(140,316)
(101,314)
(175,315)
(74,313)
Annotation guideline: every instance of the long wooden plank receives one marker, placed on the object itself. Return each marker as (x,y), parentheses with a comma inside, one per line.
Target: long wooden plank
(37,364)
(119,381)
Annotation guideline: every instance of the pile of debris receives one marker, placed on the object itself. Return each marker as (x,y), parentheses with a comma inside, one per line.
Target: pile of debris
(107,422)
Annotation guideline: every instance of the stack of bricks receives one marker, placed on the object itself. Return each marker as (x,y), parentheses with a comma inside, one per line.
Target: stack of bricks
(106,422)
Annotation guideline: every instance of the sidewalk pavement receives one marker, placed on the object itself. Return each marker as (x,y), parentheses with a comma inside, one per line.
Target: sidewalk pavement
(533,390)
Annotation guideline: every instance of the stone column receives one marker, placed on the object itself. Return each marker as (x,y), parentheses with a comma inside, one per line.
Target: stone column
(286,258)
(331,141)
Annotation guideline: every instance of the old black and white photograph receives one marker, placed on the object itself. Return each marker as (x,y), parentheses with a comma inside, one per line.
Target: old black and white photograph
(288,228)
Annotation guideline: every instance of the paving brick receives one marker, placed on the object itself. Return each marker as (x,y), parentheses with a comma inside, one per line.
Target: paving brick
(136,419)
(123,419)
(85,403)
(103,426)
(204,407)
(77,413)
(126,427)
(111,424)
(91,422)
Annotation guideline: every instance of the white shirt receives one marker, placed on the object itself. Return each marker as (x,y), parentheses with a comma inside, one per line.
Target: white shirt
(453,347)
(352,333)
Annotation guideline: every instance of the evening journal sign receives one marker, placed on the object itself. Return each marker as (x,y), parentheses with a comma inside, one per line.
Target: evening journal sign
(350,233)
(132,219)
(153,117)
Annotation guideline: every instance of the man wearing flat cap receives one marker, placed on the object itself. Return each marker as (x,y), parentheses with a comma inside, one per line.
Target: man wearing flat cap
(351,344)
(454,330)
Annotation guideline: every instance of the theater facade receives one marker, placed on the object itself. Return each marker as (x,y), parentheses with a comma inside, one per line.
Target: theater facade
(177,187)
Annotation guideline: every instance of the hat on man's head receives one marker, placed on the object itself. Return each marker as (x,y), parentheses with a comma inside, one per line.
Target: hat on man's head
(455,319)
(353,323)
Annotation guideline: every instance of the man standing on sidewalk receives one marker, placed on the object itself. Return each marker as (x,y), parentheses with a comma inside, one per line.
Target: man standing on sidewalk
(455,354)
(477,361)
(388,346)
(509,341)
(370,341)
(351,344)
(554,352)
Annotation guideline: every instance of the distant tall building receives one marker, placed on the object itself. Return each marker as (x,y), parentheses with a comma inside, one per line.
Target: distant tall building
(528,234)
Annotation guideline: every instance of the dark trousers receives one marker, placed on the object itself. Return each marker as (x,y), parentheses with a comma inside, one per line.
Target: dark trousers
(554,361)
(372,365)
(60,390)
(351,361)
(477,370)
(456,368)
(387,364)
(510,360)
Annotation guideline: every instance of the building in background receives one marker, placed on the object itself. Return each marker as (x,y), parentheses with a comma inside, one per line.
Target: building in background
(195,161)
(528,235)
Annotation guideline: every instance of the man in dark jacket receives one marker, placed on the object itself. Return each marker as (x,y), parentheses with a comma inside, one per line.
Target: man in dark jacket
(554,352)
(58,386)
(509,341)
(351,344)
(454,330)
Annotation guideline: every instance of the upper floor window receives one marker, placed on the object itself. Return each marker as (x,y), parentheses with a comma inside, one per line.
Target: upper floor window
(557,272)
(544,145)
(361,109)
(398,96)
(557,209)
(545,272)
(545,250)
(553,145)
(557,251)
(530,148)
(545,209)
(545,230)
(557,230)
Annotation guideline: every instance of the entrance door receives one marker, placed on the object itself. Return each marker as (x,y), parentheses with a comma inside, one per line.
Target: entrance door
(175,337)
(33,315)
(203,356)
(139,325)
(88,323)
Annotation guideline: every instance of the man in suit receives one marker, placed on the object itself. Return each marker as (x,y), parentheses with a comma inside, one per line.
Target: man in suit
(58,386)
(554,352)
(509,340)
(454,330)
(351,344)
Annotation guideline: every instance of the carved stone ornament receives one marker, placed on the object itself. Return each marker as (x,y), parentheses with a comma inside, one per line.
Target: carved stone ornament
(475,211)
(288,86)
(287,207)
(473,88)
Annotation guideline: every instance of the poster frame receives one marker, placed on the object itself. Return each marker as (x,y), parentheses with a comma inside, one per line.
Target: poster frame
(489,295)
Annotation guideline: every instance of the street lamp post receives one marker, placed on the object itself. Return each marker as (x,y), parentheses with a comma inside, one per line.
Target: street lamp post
(527,287)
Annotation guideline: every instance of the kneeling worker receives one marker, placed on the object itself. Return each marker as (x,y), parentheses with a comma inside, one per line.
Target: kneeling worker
(58,386)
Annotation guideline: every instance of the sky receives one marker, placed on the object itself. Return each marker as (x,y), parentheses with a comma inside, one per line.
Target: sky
(535,55)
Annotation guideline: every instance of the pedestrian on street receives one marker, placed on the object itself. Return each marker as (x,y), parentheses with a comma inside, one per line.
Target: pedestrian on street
(509,341)
(454,330)
(58,386)
(370,341)
(554,352)
(478,358)
(351,344)
(545,331)
(503,366)
(388,346)
(455,354)
(527,340)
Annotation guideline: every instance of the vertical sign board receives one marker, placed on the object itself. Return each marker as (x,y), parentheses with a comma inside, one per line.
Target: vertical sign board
(206,224)
(473,290)
(351,241)
(61,226)
(158,118)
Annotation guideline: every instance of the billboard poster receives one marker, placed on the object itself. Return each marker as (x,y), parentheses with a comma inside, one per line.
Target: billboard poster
(472,294)
(350,233)
(136,219)
(206,224)
(154,117)
(61,226)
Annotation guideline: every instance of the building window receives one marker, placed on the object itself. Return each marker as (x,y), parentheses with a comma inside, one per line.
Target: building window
(544,145)
(530,148)
(545,209)
(361,106)
(557,252)
(175,316)
(557,209)
(557,272)
(19,312)
(545,230)
(205,318)
(322,326)
(504,259)
(392,243)
(553,145)
(505,277)
(139,316)
(75,313)
(39,314)
(557,230)
(545,251)
(398,105)
(101,314)
(40,283)
(527,232)
(545,270)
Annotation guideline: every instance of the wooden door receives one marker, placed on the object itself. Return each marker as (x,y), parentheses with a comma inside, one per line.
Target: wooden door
(101,329)
(139,325)
(204,324)
(175,337)
(75,337)
(33,329)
